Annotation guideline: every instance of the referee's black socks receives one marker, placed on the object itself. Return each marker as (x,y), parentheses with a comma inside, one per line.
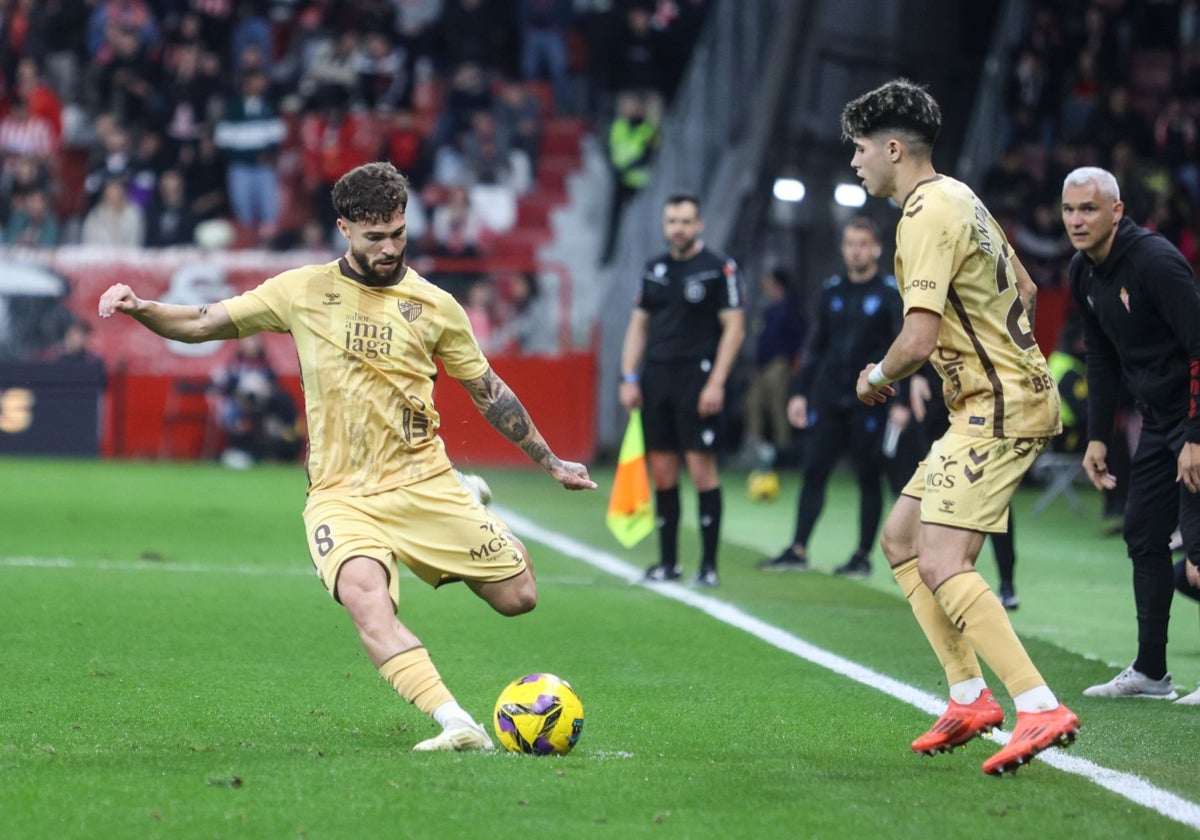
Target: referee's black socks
(710,526)
(666,510)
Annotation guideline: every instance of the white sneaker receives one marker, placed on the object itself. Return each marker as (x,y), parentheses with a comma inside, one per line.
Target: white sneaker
(1192,699)
(1133,683)
(458,736)
(476,486)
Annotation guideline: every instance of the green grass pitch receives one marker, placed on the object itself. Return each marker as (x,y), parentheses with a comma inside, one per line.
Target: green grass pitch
(170,667)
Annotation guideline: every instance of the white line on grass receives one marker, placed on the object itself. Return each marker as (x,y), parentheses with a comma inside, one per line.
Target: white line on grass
(1133,788)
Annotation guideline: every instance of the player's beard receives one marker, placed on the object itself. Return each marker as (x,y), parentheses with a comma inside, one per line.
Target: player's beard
(372,275)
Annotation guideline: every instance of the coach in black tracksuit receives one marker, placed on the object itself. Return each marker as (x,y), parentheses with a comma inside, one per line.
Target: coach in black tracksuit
(682,341)
(1140,310)
(859,314)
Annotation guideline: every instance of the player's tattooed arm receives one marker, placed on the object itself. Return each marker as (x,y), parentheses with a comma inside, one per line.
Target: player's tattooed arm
(501,408)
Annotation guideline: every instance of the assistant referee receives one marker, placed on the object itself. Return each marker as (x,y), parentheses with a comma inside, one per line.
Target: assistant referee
(682,341)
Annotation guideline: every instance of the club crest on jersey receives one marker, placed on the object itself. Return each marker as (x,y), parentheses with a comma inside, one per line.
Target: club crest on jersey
(409,310)
(694,291)
(658,273)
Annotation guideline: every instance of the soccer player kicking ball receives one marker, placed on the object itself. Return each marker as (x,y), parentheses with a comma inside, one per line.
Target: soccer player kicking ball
(381,490)
(968,307)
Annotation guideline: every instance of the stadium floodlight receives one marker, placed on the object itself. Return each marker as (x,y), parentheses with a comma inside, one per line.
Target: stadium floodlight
(850,195)
(789,189)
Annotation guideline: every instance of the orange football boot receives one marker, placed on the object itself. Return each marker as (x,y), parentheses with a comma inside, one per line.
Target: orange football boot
(1035,731)
(960,723)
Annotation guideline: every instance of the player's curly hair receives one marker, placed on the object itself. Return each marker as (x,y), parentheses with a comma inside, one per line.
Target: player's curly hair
(899,106)
(370,193)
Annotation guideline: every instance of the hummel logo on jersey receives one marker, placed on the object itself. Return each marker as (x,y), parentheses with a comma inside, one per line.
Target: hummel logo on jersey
(332,299)
(411,311)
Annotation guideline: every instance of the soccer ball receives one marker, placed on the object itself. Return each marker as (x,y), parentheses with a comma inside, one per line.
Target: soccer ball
(539,714)
(763,485)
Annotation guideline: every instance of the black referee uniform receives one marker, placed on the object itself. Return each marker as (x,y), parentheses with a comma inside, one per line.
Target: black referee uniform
(683,301)
(1140,310)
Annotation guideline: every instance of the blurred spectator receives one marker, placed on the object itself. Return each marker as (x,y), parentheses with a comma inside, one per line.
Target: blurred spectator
(333,64)
(134,16)
(384,74)
(111,157)
(543,26)
(517,113)
(249,135)
(35,90)
(125,78)
(21,176)
(1008,186)
(781,334)
(632,141)
(531,328)
(73,347)
(1030,100)
(478,302)
(470,31)
(23,132)
(1115,122)
(204,176)
(335,141)
(457,226)
(1042,242)
(61,27)
(150,159)
(170,220)
(192,91)
(32,223)
(259,418)
(1175,144)
(115,221)
(636,58)
(469,93)
(403,144)
(251,38)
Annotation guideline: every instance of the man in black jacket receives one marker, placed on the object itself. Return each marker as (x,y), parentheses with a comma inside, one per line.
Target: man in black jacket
(859,314)
(1140,309)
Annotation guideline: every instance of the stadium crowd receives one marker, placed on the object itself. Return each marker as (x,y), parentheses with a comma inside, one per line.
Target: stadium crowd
(131,122)
(1108,83)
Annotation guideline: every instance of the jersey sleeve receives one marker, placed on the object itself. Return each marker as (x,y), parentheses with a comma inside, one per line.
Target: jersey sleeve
(267,308)
(457,347)
(928,245)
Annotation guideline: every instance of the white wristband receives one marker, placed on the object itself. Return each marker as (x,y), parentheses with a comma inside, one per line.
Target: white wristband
(877,377)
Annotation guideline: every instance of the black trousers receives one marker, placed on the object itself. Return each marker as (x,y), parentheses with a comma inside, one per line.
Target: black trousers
(1156,505)
(854,429)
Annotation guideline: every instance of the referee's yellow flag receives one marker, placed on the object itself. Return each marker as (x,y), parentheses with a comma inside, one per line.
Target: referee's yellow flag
(630,510)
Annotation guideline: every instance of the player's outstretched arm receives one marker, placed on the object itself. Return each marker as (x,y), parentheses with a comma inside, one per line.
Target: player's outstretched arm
(500,407)
(191,324)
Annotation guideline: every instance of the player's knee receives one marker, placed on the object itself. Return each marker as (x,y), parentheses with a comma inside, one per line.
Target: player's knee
(896,546)
(517,601)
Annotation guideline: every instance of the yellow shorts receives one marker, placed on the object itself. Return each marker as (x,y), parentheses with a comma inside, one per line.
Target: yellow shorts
(435,527)
(967,482)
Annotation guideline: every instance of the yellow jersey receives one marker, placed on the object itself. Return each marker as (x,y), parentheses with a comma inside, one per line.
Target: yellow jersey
(367,362)
(953,259)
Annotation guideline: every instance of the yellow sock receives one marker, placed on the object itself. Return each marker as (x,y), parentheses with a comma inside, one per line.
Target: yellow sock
(415,678)
(971,606)
(957,658)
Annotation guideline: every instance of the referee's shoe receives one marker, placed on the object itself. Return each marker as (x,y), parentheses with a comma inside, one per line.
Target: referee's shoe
(661,574)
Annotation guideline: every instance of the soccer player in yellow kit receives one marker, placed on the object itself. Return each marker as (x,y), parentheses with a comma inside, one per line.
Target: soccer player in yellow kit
(381,489)
(968,307)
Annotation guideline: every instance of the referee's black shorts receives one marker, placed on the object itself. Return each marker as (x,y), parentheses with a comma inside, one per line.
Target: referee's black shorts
(671,421)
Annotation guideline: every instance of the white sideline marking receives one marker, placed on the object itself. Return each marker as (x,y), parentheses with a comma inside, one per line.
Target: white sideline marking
(1133,788)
